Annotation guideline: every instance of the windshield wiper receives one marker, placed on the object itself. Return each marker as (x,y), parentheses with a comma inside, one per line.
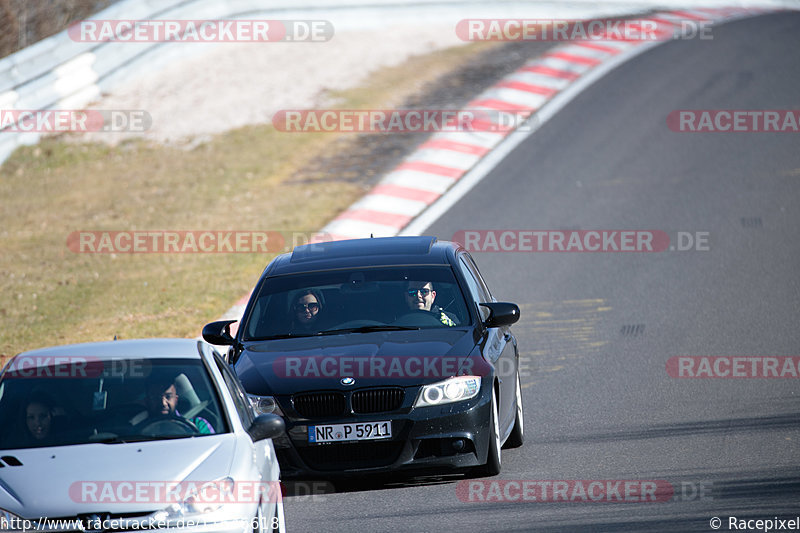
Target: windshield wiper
(136,438)
(281,336)
(367,329)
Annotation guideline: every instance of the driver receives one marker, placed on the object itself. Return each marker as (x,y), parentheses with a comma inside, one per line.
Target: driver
(162,401)
(420,297)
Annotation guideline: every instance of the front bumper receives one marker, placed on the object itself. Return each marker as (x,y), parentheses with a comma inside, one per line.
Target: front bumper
(448,437)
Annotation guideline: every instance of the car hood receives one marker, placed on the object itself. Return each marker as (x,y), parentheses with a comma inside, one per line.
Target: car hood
(403,358)
(59,481)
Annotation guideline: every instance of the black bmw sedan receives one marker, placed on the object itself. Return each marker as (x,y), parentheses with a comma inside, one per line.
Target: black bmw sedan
(382,355)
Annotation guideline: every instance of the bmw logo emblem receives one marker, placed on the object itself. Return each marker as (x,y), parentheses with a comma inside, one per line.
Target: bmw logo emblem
(348,381)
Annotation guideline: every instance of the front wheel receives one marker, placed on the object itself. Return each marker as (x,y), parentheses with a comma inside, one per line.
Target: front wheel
(493,457)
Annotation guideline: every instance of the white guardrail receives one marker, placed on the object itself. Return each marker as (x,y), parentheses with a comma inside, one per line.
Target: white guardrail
(60,73)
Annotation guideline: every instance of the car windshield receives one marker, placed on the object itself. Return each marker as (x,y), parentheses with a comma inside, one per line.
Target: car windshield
(356,300)
(58,401)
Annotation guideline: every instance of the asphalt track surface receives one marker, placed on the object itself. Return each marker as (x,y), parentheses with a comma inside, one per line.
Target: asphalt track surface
(598,328)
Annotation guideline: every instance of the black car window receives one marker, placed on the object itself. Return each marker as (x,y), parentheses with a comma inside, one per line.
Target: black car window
(481,282)
(357,298)
(479,292)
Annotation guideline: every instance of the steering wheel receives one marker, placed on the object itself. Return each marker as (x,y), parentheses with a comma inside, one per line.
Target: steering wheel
(418,317)
(167,426)
(358,324)
(202,410)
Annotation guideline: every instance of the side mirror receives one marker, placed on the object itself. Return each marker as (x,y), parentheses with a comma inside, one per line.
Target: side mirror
(219,333)
(267,426)
(501,314)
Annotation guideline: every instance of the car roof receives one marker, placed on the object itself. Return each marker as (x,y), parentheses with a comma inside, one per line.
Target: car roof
(122,349)
(356,253)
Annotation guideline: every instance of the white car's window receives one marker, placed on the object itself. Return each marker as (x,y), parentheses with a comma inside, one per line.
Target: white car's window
(79,400)
(237,393)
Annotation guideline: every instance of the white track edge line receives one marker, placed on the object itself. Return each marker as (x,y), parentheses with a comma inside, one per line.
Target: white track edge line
(493,158)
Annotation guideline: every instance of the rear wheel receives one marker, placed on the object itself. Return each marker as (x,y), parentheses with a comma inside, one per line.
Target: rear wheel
(493,457)
(517,436)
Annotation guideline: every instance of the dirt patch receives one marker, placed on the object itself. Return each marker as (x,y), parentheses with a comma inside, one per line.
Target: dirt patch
(217,88)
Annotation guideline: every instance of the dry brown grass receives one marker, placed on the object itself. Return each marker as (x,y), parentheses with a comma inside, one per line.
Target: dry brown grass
(238,181)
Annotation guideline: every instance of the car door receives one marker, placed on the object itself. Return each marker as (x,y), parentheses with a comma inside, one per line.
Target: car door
(500,346)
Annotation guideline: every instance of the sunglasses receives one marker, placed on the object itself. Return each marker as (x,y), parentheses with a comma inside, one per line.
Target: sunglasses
(313,306)
(169,396)
(423,292)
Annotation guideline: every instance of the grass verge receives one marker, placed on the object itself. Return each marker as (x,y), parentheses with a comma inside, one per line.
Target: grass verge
(240,180)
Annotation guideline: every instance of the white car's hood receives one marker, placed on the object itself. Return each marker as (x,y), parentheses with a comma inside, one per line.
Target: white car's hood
(61,481)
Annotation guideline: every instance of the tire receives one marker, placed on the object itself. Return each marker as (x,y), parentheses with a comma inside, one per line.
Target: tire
(517,436)
(493,457)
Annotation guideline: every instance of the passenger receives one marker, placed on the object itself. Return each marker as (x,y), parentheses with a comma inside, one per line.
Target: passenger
(39,412)
(162,401)
(306,311)
(420,296)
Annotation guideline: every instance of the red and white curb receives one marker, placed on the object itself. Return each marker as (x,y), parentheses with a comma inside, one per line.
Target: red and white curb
(424,177)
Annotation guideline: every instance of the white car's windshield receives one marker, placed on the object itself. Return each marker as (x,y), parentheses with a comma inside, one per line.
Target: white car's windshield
(57,401)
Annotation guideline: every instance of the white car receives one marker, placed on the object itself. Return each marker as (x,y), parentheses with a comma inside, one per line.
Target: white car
(153,434)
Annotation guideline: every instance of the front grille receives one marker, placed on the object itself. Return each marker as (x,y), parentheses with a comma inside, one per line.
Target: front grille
(377,400)
(346,456)
(319,404)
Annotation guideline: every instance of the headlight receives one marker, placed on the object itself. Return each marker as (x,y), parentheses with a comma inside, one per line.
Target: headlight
(448,391)
(199,502)
(11,522)
(264,405)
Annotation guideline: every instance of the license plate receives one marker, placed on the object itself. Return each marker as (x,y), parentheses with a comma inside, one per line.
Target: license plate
(349,432)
